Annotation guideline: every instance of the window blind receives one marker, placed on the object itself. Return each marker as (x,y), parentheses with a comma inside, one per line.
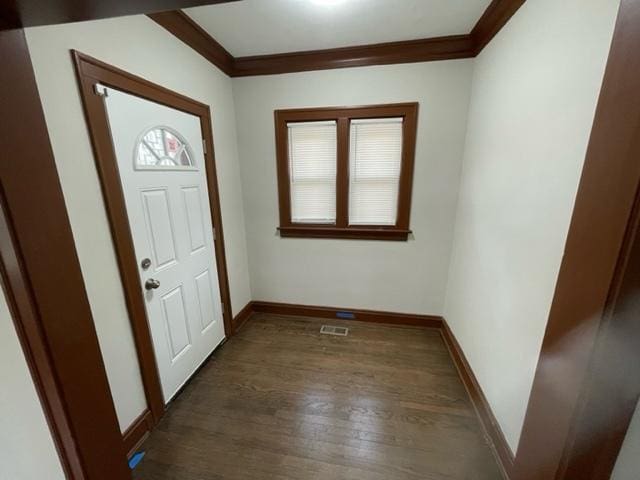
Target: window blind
(312,171)
(375,157)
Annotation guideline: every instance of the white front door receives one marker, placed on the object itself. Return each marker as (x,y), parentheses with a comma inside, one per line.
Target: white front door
(162,170)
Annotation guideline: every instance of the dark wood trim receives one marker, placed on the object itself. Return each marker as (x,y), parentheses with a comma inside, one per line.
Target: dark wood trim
(30,13)
(216,215)
(34,347)
(89,72)
(100,134)
(610,395)
(243,315)
(180,24)
(342,180)
(342,115)
(496,16)
(410,51)
(382,233)
(25,318)
(44,286)
(137,433)
(430,321)
(588,307)
(490,425)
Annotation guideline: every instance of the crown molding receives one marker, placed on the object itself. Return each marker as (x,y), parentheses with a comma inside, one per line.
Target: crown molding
(451,47)
(493,19)
(182,26)
(425,50)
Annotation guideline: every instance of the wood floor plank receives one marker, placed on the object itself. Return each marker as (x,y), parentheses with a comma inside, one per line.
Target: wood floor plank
(280,401)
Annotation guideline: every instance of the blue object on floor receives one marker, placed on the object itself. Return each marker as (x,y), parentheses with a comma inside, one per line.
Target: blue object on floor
(347,315)
(135,459)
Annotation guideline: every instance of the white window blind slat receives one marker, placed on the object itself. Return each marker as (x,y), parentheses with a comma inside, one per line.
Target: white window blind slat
(375,159)
(312,171)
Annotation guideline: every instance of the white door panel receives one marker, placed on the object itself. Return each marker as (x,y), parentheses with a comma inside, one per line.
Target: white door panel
(176,324)
(155,204)
(193,211)
(164,182)
(205,299)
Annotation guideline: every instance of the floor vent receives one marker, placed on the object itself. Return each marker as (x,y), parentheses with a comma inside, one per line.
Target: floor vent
(339,331)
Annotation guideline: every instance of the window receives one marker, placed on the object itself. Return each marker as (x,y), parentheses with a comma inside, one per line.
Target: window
(162,148)
(346,172)
(312,171)
(375,157)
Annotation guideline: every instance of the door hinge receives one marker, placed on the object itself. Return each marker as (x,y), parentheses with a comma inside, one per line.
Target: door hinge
(204,146)
(214,234)
(100,90)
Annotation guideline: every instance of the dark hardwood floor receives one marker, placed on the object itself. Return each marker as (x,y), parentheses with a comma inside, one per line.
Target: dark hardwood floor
(280,401)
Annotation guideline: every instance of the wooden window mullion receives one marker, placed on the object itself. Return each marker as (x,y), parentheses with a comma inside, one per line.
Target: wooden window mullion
(342,177)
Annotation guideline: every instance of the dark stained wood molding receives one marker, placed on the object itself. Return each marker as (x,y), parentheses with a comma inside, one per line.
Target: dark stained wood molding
(342,116)
(589,289)
(137,433)
(30,13)
(449,47)
(611,391)
(410,51)
(400,235)
(89,72)
(98,125)
(425,50)
(180,24)
(243,315)
(430,321)
(43,283)
(496,16)
(498,442)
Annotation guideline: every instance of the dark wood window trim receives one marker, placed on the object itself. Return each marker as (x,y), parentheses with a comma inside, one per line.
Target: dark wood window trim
(343,116)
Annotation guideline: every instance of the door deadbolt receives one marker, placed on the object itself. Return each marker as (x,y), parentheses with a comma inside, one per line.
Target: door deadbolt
(145,263)
(151,284)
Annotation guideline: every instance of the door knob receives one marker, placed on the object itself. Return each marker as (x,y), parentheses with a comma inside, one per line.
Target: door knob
(151,284)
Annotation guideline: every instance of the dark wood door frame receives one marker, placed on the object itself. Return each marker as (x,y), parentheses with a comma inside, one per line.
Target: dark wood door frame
(580,408)
(43,283)
(89,72)
(612,388)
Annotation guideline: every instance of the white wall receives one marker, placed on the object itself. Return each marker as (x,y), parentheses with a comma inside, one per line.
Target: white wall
(140,46)
(628,463)
(533,99)
(27,450)
(381,275)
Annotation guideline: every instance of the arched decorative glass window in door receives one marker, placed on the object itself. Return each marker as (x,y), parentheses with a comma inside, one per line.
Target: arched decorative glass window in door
(163,148)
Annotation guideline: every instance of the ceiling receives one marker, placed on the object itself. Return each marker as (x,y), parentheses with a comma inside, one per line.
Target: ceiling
(260,27)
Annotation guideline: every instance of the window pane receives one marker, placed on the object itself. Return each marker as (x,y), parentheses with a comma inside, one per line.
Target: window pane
(312,171)
(375,157)
(159,147)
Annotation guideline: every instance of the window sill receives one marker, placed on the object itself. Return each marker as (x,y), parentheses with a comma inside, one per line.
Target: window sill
(354,233)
